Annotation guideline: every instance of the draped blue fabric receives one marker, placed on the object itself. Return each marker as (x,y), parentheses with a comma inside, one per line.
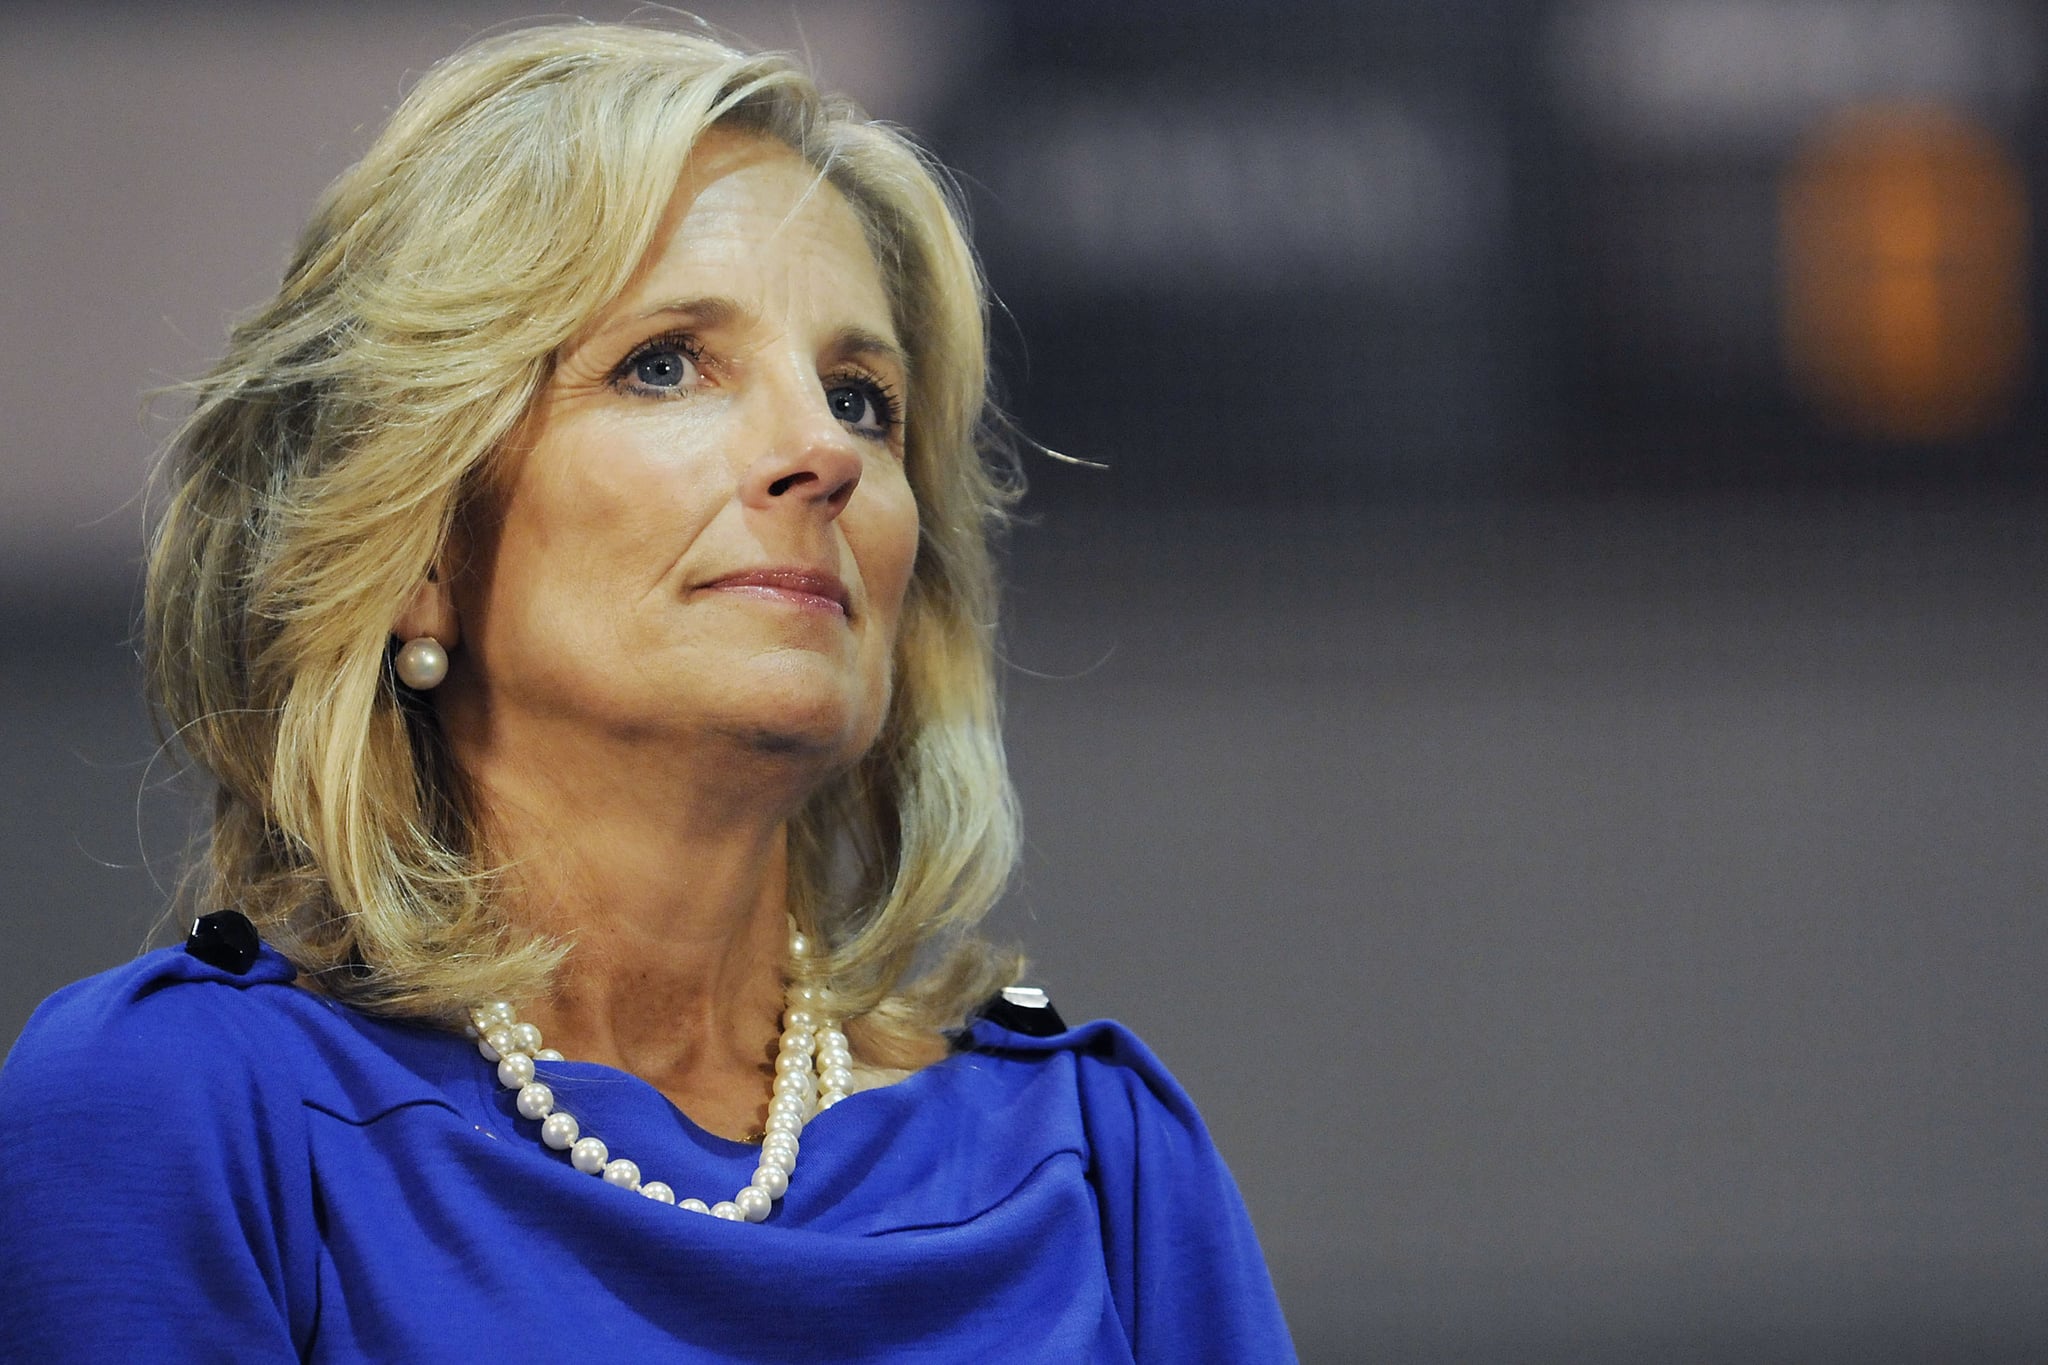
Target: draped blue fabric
(203,1166)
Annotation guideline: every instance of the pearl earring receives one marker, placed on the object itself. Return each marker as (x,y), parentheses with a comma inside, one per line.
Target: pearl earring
(422,663)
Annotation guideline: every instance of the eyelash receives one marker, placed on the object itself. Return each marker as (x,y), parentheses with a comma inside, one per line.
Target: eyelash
(681,342)
(887,401)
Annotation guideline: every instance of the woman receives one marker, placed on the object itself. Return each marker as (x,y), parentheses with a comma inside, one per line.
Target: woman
(577,584)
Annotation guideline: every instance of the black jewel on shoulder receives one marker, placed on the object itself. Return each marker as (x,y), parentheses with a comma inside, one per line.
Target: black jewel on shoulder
(1023,1009)
(224,939)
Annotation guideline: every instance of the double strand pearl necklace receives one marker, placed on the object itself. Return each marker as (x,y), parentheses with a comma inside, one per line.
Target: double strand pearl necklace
(808,1038)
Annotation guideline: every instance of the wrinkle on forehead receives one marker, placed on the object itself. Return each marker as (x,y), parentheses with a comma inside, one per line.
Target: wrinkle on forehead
(723,152)
(803,200)
(719,157)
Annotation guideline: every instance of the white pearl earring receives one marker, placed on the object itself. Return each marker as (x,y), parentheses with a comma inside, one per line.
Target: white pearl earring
(422,663)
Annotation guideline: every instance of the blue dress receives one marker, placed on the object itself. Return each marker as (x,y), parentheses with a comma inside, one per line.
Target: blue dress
(199,1165)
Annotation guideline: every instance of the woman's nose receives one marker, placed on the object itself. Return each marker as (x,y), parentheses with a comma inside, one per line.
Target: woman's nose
(810,461)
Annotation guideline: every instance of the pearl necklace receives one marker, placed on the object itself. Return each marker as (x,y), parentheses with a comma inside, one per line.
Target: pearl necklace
(808,1037)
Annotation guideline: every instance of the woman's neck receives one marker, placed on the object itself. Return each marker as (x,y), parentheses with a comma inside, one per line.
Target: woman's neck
(673,894)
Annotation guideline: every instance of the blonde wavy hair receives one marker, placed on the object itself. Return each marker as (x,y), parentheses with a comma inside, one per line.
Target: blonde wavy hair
(330,452)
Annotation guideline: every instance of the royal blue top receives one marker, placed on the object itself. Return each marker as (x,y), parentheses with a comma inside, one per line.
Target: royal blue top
(198,1165)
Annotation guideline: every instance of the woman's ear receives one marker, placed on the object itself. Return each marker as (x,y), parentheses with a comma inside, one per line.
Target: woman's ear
(431,613)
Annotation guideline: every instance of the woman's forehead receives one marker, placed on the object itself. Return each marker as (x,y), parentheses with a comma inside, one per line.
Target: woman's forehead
(753,223)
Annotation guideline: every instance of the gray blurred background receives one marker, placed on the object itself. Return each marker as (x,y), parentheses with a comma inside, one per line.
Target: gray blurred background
(1540,724)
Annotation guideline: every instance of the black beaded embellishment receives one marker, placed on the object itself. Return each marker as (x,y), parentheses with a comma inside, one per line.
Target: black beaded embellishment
(224,939)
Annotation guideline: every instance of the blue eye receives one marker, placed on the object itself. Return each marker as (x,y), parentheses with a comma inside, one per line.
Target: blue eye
(664,367)
(866,407)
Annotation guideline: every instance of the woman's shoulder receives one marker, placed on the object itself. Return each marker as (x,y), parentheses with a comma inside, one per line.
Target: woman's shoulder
(185,1030)
(1113,1075)
(167,1010)
(1183,1262)
(168,1196)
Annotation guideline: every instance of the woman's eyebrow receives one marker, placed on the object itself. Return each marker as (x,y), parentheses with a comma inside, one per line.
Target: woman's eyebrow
(859,341)
(710,311)
(714,311)
(719,311)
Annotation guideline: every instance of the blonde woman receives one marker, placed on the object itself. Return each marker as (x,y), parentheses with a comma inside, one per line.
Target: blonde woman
(576,583)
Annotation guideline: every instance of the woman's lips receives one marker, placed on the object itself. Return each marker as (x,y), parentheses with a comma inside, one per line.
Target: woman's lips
(803,588)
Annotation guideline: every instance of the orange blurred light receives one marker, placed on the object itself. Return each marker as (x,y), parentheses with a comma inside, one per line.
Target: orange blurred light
(1904,237)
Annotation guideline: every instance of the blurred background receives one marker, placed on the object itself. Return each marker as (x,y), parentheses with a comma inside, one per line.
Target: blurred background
(1540,723)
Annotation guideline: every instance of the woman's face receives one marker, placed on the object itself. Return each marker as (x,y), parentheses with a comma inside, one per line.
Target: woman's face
(705,527)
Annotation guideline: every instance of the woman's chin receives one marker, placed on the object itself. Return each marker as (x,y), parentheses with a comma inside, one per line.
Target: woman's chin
(827,725)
